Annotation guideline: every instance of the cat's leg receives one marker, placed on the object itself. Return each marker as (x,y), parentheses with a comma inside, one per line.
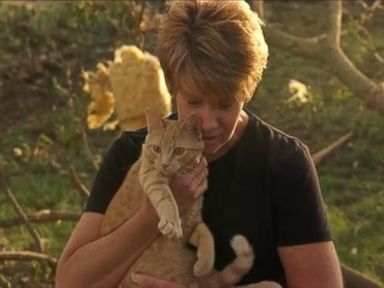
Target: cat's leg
(233,272)
(165,205)
(202,239)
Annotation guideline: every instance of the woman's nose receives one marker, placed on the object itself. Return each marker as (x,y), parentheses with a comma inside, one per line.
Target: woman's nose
(209,119)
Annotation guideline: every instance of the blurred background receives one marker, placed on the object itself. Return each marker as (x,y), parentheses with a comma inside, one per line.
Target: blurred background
(324,81)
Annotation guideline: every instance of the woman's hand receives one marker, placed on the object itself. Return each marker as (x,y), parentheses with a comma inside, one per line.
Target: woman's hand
(148,281)
(188,185)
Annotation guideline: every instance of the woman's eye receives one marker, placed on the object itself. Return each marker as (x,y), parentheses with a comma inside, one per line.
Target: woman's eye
(193,102)
(156,148)
(225,106)
(179,150)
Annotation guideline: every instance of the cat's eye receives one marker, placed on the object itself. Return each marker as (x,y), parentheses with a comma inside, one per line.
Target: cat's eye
(179,150)
(156,148)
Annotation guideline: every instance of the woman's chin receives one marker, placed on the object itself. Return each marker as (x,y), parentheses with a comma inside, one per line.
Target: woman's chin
(211,150)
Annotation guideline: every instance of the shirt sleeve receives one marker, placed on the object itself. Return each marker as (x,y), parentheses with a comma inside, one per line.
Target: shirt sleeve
(299,210)
(120,156)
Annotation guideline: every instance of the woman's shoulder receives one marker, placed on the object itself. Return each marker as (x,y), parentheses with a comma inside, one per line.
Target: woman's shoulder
(125,149)
(132,138)
(277,144)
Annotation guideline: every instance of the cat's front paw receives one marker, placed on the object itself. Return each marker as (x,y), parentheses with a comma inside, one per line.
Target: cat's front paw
(170,228)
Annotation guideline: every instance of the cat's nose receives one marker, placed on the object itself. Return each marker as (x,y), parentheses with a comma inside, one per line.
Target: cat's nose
(164,165)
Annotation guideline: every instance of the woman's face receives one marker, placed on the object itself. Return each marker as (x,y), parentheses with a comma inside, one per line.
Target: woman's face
(220,119)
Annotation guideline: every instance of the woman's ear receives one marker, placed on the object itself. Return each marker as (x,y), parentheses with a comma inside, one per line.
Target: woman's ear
(154,120)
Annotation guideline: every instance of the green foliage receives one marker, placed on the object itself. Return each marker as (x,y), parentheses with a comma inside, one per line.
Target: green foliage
(43,50)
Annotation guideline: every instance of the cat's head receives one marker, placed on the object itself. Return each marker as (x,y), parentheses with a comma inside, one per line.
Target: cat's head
(171,145)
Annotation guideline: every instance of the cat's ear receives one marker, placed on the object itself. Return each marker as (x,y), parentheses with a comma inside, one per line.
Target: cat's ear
(154,120)
(192,124)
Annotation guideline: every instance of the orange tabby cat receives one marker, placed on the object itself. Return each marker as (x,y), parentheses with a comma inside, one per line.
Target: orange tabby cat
(170,146)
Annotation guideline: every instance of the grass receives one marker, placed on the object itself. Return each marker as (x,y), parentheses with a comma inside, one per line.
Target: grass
(50,138)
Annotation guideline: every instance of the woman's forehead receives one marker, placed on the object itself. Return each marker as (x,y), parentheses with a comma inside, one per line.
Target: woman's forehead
(192,85)
(216,97)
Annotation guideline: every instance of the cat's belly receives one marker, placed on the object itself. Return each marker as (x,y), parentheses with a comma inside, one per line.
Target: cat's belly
(165,259)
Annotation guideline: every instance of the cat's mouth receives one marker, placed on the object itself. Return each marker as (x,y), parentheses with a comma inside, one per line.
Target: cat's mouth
(166,172)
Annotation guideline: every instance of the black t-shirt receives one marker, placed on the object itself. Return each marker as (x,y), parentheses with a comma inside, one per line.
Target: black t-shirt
(265,188)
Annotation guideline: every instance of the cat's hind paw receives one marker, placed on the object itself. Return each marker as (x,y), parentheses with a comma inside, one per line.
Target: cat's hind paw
(202,268)
(170,229)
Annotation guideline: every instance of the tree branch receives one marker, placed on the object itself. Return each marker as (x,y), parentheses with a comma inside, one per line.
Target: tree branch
(83,191)
(88,151)
(354,279)
(27,256)
(327,49)
(141,13)
(309,47)
(322,155)
(258,6)
(19,211)
(41,217)
(335,15)
(354,79)
(343,67)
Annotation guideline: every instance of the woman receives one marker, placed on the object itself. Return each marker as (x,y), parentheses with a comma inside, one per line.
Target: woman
(261,181)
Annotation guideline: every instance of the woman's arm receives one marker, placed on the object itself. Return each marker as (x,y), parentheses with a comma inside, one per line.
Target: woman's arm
(90,261)
(311,265)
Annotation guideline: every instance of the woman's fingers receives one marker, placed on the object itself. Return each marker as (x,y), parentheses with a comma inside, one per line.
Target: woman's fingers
(193,176)
(200,182)
(201,187)
(188,185)
(196,178)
